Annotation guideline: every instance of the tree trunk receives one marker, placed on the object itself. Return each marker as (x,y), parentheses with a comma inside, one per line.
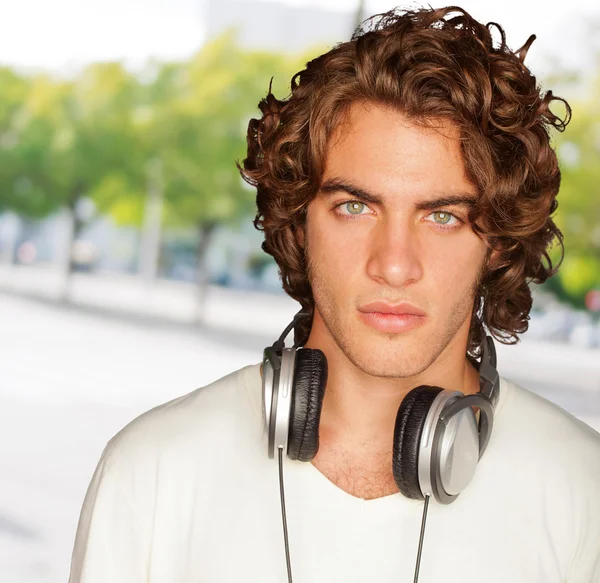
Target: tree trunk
(74,229)
(205,232)
(152,227)
(11,227)
(66,263)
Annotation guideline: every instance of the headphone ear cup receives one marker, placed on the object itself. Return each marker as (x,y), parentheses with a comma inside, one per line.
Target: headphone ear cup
(408,429)
(310,378)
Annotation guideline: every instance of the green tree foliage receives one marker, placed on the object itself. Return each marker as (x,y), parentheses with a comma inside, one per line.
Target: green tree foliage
(13,90)
(67,138)
(195,119)
(578,214)
(197,127)
(99,135)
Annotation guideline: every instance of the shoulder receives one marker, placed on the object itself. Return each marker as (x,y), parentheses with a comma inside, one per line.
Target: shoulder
(538,422)
(536,439)
(210,415)
(551,461)
(543,466)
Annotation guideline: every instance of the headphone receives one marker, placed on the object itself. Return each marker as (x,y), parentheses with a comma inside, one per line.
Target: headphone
(437,438)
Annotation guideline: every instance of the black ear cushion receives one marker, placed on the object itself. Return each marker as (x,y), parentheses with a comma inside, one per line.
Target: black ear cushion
(410,421)
(310,378)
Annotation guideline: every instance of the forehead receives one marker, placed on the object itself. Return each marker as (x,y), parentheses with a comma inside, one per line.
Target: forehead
(382,149)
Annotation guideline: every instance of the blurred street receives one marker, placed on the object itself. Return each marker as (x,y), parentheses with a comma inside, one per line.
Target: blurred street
(72,376)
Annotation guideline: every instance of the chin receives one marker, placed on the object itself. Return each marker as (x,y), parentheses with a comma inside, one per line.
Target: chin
(389,364)
(390,355)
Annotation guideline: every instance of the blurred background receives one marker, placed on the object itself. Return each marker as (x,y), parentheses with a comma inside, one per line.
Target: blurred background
(130,272)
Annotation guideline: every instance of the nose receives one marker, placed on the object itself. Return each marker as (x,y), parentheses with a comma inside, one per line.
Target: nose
(395,257)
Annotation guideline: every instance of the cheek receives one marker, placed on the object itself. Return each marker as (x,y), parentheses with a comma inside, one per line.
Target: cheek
(334,261)
(335,252)
(456,263)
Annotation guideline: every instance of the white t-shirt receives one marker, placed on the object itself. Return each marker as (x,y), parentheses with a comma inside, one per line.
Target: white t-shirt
(186,494)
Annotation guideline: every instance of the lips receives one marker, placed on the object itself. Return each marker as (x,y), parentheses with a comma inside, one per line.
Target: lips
(380,307)
(392,318)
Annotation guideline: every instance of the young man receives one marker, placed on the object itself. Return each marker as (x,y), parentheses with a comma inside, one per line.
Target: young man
(405,189)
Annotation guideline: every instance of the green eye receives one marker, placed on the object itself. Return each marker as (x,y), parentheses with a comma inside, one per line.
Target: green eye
(355,208)
(444,218)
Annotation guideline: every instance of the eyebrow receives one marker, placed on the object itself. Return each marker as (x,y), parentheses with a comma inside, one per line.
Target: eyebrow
(334,185)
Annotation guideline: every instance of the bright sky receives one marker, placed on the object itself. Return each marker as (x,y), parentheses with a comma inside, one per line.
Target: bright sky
(62,34)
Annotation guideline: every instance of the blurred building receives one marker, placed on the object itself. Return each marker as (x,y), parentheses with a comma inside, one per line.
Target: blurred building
(276,26)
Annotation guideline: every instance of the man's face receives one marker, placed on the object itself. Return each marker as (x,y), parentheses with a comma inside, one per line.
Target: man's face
(404,243)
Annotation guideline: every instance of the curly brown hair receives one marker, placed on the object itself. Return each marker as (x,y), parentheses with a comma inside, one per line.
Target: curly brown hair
(429,64)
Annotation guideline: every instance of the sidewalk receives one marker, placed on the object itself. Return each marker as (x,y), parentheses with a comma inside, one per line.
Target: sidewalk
(166,301)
